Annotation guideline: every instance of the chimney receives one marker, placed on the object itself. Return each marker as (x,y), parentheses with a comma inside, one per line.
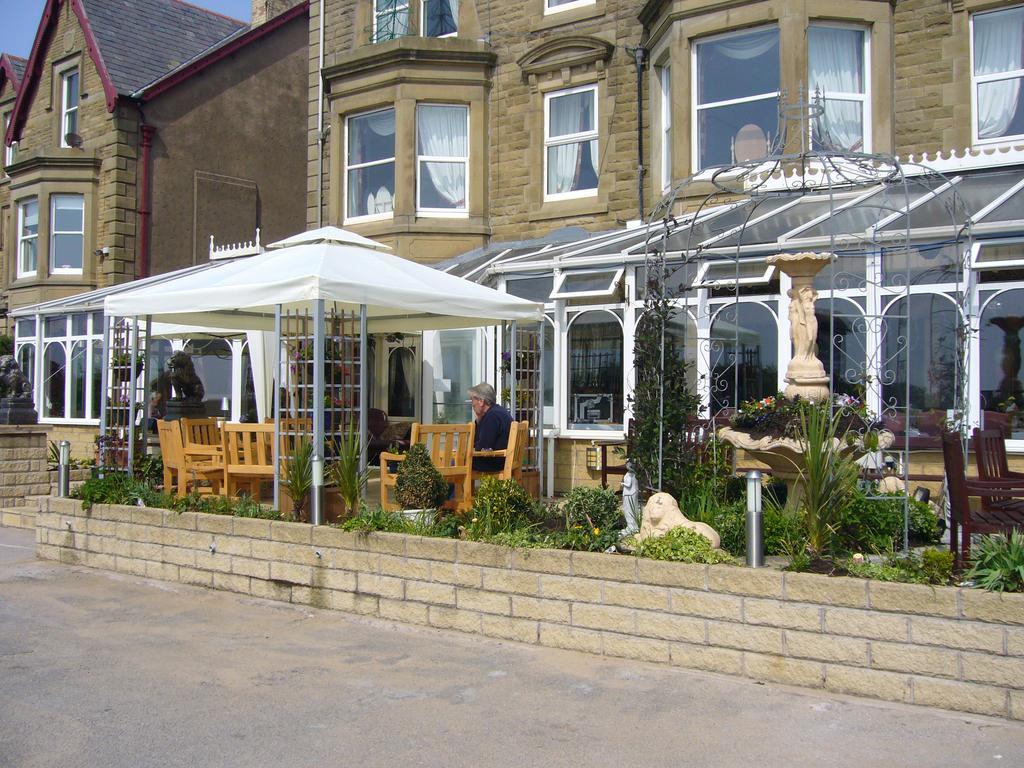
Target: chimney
(265,10)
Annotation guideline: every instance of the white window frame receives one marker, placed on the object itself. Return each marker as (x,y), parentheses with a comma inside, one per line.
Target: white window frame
(423,22)
(863,98)
(695,77)
(395,11)
(22,238)
(559,293)
(370,216)
(65,110)
(549,8)
(420,159)
(666,126)
(55,270)
(571,138)
(977,80)
(702,280)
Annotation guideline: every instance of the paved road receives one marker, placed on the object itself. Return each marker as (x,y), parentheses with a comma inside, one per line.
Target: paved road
(100,669)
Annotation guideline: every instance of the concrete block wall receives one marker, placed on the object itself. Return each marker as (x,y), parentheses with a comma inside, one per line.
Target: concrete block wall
(959,649)
(22,464)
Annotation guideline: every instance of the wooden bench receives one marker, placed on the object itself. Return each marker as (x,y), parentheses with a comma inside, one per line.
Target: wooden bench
(203,441)
(513,454)
(181,473)
(248,457)
(451,450)
(962,519)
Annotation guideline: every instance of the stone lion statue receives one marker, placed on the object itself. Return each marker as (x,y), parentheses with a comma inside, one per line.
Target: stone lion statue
(184,378)
(661,515)
(13,382)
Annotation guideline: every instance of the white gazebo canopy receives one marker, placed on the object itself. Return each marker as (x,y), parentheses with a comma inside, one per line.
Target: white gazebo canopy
(329,264)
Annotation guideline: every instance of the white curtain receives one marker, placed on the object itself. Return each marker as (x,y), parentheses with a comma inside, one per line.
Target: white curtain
(743,47)
(261,356)
(442,133)
(998,39)
(836,57)
(572,113)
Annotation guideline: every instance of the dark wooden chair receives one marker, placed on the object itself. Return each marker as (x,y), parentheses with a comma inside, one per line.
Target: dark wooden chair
(962,520)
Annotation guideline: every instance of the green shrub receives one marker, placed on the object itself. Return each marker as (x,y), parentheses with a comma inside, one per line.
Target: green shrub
(117,488)
(931,566)
(997,563)
(730,521)
(583,538)
(419,485)
(298,477)
(499,506)
(829,476)
(593,508)
(682,545)
(377,519)
(876,524)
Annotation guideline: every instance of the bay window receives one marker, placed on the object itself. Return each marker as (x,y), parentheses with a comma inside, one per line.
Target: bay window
(390,19)
(440,17)
(837,80)
(28,237)
(737,96)
(442,158)
(68,105)
(570,143)
(997,71)
(370,164)
(67,234)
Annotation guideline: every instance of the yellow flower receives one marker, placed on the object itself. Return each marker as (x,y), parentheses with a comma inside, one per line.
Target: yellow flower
(597,531)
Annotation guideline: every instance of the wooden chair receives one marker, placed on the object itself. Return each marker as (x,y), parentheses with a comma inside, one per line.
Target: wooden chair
(513,454)
(962,519)
(451,450)
(248,457)
(180,472)
(990,454)
(203,440)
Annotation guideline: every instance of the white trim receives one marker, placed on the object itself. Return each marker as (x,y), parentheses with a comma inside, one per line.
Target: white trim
(421,210)
(666,126)
(346,168)
(66,111)
(23,239)
(550,9)
(5,123)
(54,232)
(571,138)
(978,265)
(558,293)
(701,280)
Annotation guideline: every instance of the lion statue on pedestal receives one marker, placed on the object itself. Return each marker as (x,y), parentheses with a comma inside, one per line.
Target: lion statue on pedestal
(13,383)
(184,378)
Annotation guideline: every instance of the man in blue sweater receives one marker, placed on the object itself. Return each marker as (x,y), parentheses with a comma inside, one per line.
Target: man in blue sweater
(492,427)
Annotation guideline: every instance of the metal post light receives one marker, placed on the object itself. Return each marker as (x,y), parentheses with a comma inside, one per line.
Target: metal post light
(316,505)
(755,521)
(64,469)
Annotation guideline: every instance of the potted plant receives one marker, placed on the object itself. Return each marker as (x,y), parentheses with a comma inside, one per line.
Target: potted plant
(298,478)
(419,485)
(344,471)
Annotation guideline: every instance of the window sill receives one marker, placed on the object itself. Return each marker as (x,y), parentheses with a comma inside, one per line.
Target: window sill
(559,18)
(564,209)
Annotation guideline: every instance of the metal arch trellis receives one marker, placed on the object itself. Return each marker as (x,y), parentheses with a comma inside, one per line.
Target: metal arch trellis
(866,289)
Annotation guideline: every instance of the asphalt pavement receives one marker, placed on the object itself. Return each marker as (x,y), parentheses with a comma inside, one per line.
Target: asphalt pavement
(104,669)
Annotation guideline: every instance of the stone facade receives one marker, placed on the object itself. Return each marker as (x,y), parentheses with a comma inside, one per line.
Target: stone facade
(23,452)
(959,649)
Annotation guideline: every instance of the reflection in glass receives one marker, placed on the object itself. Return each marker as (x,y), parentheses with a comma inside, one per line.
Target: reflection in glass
(27,361)
(455,350)
(841,345)
(402,383)
(744,355)
(595,371)
(1002,380)
(96,374)
(212,359)
(54,373)
(77,367)
(681,335)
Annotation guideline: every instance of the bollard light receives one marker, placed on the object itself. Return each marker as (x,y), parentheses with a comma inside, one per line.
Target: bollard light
(63,468)
(755,521)
(315,507)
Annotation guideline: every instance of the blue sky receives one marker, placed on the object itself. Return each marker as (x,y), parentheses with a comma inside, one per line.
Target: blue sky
(19,19)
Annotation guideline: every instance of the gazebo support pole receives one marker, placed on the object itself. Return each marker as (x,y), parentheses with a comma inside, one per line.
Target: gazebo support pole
(276,379)
(540,414)
(133,395)
(146,374)
(513,346)
(364,410)
(104,395)
(316,505)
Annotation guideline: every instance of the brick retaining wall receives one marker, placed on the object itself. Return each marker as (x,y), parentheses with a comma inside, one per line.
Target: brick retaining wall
(959,649)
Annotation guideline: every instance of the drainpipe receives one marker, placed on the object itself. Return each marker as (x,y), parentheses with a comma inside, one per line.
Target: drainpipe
(147,132)
(320,135)
(640,60)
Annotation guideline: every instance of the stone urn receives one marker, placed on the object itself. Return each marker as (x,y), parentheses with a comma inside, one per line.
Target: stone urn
(785,455)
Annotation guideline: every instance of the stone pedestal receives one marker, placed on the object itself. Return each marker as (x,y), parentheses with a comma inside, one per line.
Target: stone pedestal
(18,410)
(805,376)
(184,409)
(23,472)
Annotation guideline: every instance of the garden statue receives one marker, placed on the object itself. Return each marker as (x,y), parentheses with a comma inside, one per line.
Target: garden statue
(1011,360)
(805,375)
(187,390)
(661,515)
(16,406)
(630,500)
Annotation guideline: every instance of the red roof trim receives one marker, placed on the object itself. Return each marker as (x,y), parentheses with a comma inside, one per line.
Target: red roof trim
(37,60)
(204,62)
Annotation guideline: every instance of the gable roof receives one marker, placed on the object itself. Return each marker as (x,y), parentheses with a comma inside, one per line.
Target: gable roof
(12,70)
(131,43)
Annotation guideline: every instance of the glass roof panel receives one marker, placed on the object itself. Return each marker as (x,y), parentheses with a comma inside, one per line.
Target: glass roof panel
(865,214)
(1011,209)
(958,203)
(687,237)
(769,230)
